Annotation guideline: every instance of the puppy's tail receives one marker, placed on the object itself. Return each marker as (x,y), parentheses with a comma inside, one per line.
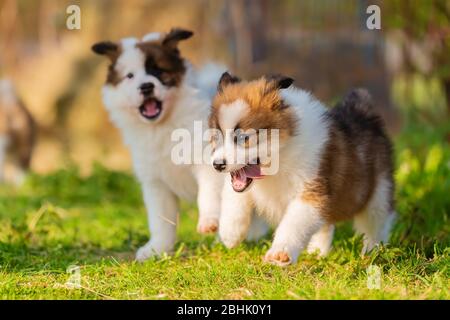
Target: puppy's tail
(357,109)
(359,99)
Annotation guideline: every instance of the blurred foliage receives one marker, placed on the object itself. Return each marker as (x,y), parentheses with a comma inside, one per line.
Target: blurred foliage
(323,44)
(102,186)
(419,19)
(425,30)
(423,181)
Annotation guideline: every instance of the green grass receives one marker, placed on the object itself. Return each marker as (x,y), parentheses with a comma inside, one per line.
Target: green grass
(98,222)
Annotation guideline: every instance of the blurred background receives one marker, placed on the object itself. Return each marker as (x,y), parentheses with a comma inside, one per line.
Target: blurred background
(324,44)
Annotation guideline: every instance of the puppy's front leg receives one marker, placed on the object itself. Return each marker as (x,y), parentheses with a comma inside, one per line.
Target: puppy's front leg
(299,223)
(209,197)
(235,216)
(162,210)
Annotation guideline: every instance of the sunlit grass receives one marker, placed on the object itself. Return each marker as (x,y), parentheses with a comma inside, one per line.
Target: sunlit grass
(97,222)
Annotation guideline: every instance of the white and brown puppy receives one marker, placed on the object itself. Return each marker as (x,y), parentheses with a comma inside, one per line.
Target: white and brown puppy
(150,92)
(333,165)
(17,132)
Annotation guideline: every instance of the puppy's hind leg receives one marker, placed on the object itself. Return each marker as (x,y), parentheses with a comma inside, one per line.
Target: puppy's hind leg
(321,241)
(162,212)
(258,228)
(376,221)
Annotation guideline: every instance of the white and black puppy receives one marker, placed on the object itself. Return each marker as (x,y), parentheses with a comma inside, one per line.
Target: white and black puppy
(333,165)
(150,91)
(17,133)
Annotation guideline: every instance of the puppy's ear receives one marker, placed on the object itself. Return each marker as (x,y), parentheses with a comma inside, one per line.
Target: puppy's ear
(279,81)
(225,80)
(176,35)
(106,48)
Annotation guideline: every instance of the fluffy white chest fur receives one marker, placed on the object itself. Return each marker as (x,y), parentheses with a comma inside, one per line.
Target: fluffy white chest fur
(299,158)
(151,146)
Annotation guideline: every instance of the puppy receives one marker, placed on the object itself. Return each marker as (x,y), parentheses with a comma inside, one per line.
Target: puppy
(151,91)
(17,132)
(332,165)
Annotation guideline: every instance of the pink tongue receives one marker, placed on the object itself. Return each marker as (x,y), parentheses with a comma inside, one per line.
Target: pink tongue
(252,171)
(240,178)
(150,108)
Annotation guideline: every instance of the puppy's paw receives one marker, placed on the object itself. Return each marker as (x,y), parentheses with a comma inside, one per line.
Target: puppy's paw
(278,257)
(207,225)
(230,239)
(317,249)
(149,250)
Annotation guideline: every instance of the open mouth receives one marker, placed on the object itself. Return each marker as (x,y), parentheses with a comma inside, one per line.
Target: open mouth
(242,178)
(151,108)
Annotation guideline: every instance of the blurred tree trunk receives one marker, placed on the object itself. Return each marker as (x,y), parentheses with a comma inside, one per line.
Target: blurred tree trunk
(10,34)
(249,23)
(259,26)
(242,36)
(46,29)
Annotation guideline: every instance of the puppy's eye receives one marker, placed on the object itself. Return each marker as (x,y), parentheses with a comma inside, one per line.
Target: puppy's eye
(241,138)
(130,75)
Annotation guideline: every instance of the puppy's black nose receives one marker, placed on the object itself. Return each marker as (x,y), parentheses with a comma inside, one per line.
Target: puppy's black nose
(147,88)
(219,165)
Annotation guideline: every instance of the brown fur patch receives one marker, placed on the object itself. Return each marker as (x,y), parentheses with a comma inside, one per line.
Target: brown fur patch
(18,126)
(113,77)
(163,61)
(162,58)
(112,51)
(357,153)
(267,109)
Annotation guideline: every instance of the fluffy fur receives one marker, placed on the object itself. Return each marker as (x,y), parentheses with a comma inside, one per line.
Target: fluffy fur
(17,132)
(151,91)
(333,165)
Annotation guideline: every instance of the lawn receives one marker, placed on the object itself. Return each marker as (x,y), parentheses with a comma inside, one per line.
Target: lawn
(96,223)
